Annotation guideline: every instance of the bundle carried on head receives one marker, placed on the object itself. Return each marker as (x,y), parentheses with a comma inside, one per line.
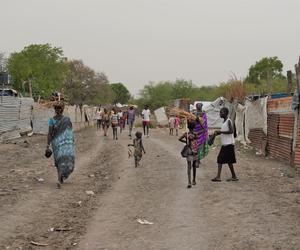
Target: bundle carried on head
(182,114)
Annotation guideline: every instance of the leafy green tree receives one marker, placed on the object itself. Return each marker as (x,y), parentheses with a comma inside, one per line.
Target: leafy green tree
(84,86)
(182,89)
(267,68)
(122,95)
(39,69)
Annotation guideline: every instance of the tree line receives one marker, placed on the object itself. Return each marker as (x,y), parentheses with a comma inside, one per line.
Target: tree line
(264,77)
(40,69)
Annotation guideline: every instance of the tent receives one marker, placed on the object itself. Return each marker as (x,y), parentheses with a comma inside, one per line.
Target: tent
(212,111)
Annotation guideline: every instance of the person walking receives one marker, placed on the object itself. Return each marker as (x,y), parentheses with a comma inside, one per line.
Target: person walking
(171,124)
(121,120)
(146,120)
(61,139)
(190,138)
(177,124)
(105,121)
(227,151)
(99,118)
(138,148)
(114,124)
(130,119)
(201,129)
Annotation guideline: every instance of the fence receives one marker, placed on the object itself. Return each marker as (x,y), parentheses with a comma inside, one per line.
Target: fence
(23,115)
(272,126)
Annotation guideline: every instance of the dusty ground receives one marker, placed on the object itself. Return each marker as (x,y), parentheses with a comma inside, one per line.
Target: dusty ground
(261,211)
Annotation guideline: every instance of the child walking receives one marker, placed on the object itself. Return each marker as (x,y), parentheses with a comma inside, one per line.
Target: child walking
(138,148)
(177,124)
(190,138)
(171,124)
(227,153)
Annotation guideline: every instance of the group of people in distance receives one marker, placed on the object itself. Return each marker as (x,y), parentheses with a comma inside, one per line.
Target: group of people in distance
(115,118)
(61,139)
(197,140)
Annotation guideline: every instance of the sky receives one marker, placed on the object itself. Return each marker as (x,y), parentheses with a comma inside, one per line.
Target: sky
(138,41)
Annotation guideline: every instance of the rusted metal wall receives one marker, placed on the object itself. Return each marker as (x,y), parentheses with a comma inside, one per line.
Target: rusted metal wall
(280,129)
(258,139)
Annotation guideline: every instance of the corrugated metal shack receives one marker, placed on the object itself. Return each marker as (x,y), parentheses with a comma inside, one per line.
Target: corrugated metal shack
(15,116)
(280,129)
(271,126)
(23,115)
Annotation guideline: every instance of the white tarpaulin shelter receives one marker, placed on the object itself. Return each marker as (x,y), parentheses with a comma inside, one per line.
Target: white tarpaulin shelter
(161,116)
(256,115)
(213,112)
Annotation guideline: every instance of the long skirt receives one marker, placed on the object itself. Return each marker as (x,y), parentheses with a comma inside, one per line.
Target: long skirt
(64,151)
(203,150)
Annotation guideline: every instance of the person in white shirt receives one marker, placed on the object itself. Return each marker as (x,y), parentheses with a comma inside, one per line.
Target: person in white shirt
(227,153)
(146,120)
(99,118)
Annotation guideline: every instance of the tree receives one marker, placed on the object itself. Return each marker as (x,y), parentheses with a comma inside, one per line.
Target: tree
(122,93)
(84,86)
(182,89)
(268,68)
(38,69)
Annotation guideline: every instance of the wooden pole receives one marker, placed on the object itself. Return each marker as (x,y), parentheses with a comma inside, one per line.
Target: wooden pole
(289,81)
(297,70)
(269,82)
(30,87)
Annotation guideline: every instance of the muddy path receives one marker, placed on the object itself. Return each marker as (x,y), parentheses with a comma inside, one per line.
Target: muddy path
(261,211)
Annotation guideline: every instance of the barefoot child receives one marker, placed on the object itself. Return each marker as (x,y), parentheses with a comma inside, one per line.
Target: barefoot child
(171,124)
(190,138)
(138,148)
(227,154)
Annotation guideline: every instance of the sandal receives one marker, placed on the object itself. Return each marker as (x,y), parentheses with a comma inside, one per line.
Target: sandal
(233,179)
(216,179)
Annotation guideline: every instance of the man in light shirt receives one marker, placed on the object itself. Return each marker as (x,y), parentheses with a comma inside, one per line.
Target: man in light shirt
(146,120)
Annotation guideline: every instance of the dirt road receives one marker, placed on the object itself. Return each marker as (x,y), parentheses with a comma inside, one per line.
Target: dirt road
(261,211)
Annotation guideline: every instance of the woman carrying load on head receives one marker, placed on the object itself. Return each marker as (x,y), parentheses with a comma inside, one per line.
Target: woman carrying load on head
(61,138)
(201,129)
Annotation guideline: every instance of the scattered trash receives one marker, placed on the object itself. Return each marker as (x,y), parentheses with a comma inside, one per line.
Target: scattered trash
(39,244)
(74,244)
(30,134)
(52,229)
(144,222)
(40,179)
(63,229)
(89,192)
(79,203)
(92,176)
